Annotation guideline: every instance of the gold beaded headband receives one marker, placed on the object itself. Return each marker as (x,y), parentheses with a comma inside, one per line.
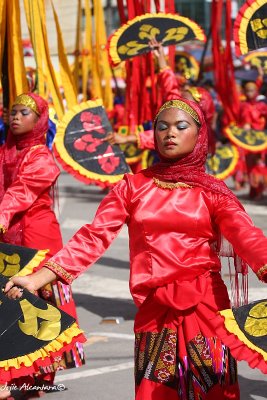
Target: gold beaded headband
(26,101)
(195,93)
(182,106)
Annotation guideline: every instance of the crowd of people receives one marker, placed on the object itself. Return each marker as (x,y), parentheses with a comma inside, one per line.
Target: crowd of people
(177,215)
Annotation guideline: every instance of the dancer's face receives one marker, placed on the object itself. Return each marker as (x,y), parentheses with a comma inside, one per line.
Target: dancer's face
(22,119)
(176,133)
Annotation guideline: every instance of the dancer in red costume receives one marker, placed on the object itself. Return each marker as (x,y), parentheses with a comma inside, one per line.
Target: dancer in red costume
(176,214)
(170,88)
(27,178)
(253,115)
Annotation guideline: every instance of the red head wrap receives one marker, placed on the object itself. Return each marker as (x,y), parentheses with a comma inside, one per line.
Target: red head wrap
(191,168)
(10,157)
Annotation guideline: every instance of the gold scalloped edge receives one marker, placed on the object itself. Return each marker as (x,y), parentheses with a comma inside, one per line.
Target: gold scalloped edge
(245,20)
(231,168)
(64,338)
(234,140)
(232,327)
(198,31)
(34,262)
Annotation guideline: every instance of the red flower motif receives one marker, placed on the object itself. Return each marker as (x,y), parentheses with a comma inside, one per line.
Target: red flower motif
(92,122)
(108,161)
(87,143)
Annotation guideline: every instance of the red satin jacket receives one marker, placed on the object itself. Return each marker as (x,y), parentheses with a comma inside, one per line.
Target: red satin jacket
(172,234)
(28,200)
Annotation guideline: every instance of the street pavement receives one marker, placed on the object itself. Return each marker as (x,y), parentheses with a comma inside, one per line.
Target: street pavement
(102,297)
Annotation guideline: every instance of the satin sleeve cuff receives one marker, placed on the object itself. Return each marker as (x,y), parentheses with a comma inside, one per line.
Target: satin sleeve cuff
(62,274)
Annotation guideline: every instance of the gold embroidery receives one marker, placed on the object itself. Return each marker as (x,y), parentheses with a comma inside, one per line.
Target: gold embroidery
(170,185)
(3,229)
(59,270)
(181,105)
(26,101)
(262,272)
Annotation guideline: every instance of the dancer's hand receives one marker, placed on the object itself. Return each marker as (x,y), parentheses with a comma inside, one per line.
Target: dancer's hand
(158,51)
(14,287)
(116,138)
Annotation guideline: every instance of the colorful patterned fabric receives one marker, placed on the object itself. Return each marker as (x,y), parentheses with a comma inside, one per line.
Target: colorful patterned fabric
(207,364)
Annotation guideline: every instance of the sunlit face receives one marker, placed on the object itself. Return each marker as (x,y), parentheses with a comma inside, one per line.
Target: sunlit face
(176,133)
(251,91)
(22,119)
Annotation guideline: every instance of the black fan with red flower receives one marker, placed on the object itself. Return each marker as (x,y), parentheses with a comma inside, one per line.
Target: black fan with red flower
(81,149)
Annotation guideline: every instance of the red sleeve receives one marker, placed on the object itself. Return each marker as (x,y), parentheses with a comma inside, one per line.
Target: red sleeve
(91,241)
(38,172)
(247,240)
(168,84)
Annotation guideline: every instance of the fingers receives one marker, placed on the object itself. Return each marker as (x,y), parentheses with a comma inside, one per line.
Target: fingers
(14,293)
(110,138)
(8,286)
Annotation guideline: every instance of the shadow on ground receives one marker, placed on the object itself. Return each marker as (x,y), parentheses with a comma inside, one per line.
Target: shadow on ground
(105,307)
(252,387)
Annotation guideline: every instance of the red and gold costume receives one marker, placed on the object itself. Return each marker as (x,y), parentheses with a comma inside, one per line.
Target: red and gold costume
(175,214)
(252,111)
(28,175)
(170,90)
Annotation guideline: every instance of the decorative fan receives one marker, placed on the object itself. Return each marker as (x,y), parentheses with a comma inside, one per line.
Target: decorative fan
(248,326)
(186,65)
(223,163)
(80,148)
(19,260)
(33,333)
(250,28)
(257,59)
(132,39)
(251,140)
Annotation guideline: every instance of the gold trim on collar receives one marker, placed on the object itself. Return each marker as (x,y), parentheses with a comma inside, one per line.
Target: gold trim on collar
(170,185)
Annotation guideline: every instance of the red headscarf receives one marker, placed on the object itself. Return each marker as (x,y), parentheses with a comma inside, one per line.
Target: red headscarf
(17,146)
(191,168)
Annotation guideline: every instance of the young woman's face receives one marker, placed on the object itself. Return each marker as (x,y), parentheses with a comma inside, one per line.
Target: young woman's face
(176,133)
(251,91)
(22,119)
